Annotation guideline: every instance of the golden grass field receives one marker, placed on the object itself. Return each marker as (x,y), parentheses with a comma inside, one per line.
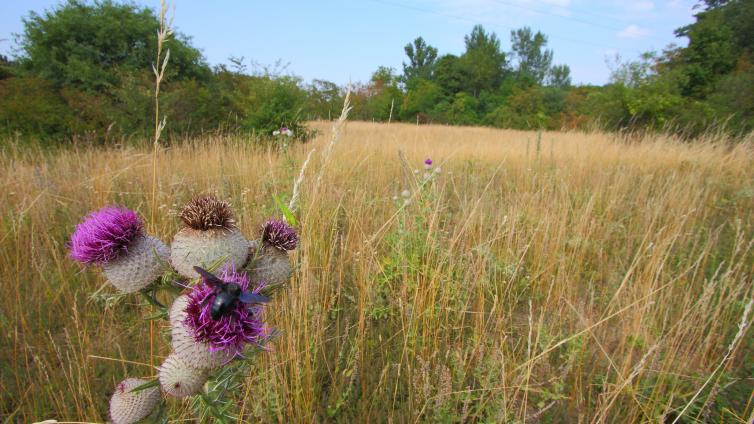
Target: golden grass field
(567,277)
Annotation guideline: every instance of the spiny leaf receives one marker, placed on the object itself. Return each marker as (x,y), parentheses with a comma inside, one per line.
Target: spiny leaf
(287,213)
(147,385)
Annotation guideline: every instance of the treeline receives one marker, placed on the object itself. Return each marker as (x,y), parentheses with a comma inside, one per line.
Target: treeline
(685,90)
(84,72)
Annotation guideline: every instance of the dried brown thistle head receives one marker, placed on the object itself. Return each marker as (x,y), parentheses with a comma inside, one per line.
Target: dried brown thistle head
(207,212)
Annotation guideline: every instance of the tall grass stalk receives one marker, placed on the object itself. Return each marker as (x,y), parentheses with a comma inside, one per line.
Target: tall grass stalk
(337,127)
(158,69)
(299,180)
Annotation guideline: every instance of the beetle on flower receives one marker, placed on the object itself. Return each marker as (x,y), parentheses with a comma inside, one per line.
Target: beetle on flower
(240,325)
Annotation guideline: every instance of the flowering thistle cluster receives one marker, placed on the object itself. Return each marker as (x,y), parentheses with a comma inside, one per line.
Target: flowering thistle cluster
(216,317)
(429,175)
(428,170)
(283,131)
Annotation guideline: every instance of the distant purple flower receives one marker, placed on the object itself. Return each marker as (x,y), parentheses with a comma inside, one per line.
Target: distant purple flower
(279,234)
(232,332)
(428,161)
(104,235)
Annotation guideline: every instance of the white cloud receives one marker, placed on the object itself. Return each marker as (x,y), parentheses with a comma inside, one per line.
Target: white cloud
(634,31)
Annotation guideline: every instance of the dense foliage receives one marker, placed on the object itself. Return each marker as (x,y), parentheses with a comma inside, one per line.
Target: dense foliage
(85,72)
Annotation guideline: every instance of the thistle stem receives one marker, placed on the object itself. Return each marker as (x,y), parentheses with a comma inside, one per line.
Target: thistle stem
(150,297)
(212,410)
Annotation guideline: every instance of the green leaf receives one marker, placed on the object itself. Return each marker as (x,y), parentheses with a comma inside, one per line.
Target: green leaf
(287,213)
(150,384)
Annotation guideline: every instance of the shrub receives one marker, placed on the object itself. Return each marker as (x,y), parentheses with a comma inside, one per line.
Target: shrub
(91,46)
(266,104)
(32,105)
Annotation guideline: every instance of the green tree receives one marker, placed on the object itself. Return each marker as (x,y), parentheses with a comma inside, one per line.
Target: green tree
(92,46)
(462,110)
(383,95)
(559,76)
(533,59)
(383,76)
(266,104)
(739,16)
(421,57)
(524,109)
(7,68)
(633,73)
(733,99)
(421,99)
(721,37)
(711,51)
(31,105)
(484,63)
(450,74)
(324,99)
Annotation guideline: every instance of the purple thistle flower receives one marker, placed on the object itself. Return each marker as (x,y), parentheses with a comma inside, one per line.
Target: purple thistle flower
(428,161)
(279,234)
(104,235)
(242,325)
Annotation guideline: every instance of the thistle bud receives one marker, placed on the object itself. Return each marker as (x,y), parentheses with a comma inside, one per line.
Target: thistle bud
(270,262)
(127,407)
(179,380)
(209,234)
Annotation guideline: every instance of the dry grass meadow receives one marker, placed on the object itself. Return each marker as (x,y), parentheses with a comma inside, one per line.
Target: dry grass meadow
(561,277)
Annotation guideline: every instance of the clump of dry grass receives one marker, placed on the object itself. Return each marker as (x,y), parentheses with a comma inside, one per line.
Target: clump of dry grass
(578,278)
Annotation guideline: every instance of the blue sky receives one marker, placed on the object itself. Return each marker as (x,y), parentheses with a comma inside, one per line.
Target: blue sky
(342,40)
